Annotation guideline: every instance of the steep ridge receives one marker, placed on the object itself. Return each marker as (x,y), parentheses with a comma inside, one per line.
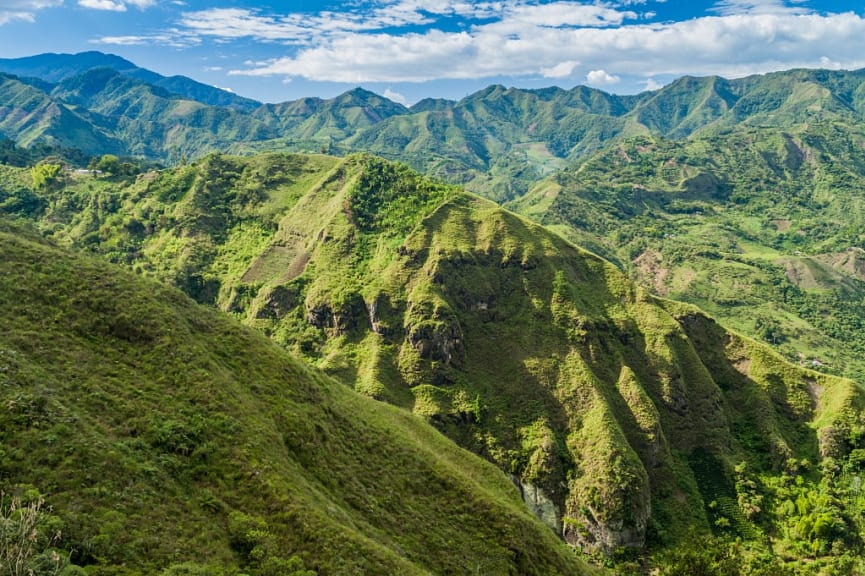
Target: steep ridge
(168,439)
(627,421)
(29,115)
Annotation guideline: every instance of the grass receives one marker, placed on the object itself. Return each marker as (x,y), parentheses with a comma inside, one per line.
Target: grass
(540,357)
(156,430)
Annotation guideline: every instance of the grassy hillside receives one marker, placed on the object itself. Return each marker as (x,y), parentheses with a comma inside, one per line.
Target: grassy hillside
(30,116)
(760,226)
(168,439)
(629,423)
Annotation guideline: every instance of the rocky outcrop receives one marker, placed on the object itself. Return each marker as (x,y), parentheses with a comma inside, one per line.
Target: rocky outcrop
(438,341)
(337,317)
(540,504)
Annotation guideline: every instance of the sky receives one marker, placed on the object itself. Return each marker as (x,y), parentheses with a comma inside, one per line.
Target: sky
(412,49)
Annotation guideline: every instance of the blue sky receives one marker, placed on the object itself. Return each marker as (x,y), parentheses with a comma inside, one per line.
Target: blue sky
(411,49)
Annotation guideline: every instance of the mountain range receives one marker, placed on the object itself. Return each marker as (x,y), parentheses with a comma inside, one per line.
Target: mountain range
(496,142)
(640,430)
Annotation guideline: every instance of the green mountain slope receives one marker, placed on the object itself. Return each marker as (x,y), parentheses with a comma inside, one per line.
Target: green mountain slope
(29,115)
(54,68)
(627,421)
(759,226)
(496,142)
(163,434)
(153,122)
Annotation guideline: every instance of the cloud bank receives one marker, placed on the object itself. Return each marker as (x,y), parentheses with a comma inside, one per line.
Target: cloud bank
(392,41)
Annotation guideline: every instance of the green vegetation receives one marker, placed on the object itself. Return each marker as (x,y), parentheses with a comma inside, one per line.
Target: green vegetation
(761,227)
(45,175)
(149,435)
(28,535)
(625,420)
(637,428)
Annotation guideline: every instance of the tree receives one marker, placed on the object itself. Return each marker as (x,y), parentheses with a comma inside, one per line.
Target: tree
(45,174)
(109,163)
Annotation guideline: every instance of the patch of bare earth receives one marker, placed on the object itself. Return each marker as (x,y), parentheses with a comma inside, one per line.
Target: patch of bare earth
(781,225)
(743,366)
(850,261)
(815,391)
(651,272)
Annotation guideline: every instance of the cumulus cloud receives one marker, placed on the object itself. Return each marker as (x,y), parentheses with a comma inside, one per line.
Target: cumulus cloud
(650,84)
(731,45)
(560,70)
(601,78)
(24,9)
(116,5)
(395,96)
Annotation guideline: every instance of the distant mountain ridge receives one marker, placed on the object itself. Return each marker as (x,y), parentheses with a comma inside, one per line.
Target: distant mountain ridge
(54,68)
(496,141)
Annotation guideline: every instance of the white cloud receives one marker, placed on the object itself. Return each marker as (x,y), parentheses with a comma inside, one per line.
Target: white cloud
(103,5)
(830,64)
(731,45)
(565,14)
(116,5)
(24,9)
(395,96)
(511,16)
(123,40)
(560,70)
(651,84)
(601,78)
(172,39)
(240,23)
